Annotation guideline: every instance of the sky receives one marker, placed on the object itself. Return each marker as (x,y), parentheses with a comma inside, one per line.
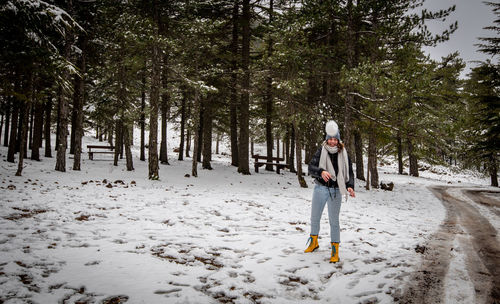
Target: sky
(472,17)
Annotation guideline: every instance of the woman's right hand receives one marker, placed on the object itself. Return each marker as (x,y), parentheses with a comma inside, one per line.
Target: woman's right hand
(325,175)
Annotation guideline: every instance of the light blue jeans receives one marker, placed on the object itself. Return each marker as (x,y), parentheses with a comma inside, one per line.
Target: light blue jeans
(321,196)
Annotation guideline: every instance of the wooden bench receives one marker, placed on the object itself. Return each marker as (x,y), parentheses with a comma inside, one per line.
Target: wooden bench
(98,147)
(276,162)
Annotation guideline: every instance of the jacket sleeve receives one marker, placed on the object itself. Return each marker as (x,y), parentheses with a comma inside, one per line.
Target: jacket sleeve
(314,169)
(350,182)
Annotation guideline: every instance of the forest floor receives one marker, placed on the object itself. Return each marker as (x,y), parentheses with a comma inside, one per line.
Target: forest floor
(105,235)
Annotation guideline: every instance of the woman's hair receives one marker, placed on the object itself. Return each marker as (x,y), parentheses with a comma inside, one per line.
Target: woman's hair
(340,145)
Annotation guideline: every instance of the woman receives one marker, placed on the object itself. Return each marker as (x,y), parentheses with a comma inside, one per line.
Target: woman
(334,178)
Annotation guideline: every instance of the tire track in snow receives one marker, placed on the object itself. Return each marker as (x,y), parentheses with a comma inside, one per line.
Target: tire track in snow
(427,284)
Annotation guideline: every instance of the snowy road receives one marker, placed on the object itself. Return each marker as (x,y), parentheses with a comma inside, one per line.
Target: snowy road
(465,248)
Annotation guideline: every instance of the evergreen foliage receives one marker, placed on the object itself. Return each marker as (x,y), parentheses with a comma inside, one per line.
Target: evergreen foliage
(250,71)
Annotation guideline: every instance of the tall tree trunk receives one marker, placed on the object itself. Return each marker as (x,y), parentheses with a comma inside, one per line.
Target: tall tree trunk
(128,152)
(30,137)
(292,148)
(400,152)
(300,176)
(217,141)
(74,114)
(233,103)
(493,169)
(349,100)
(277,147)
(79,102)
(20,134)
(164,111)
(63,105)
(200,131)
(372,155)
(9,106)
(412,157)
(58,121)
(142,121)
(109,133)
(154,100)
(207,135)
(63,133)
(24,131)
(286,150)
(188,142)
(48,116)
(196,123)
(119,139)
(13,132)
(268,97)
(183,122)
(243,165)
(37,132)
(358,143)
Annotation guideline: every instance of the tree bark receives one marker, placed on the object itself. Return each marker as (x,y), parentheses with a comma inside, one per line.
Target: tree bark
(154,100)
(48,114)
(183,122)
(199,131)
(372,156)
(268,98)
(300,176)
(358,142)
(243,164)
(37,131)
(164,112)
(400,153)
(142,121)
(23,137)
(292,148)
(207,135)
(20,134)
(128,152)
(493,170)
(196,123)
(79,102)
(9,106)
(63,105)
(13,132)
(277,146)
(286,149)
(58,121)
(63,134)
(30,137)
(74,114)
(233,103)
(188,142)
(119,137)
(217,141)
(412,157)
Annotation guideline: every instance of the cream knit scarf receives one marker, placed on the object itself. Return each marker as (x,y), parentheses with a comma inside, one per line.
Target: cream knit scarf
(325,163)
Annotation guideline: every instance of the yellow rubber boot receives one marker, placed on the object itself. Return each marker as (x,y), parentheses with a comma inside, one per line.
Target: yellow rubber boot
(335,253)
(313,243)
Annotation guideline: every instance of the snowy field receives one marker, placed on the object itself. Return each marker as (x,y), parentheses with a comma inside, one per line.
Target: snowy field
(105,235)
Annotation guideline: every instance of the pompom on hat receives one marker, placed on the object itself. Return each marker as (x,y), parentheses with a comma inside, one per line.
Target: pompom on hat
(332,130)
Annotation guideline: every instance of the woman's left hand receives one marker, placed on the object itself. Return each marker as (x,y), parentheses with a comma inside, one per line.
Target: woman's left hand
(351,192)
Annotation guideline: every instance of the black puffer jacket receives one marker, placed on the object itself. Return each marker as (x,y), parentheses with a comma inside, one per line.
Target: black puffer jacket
(315,170)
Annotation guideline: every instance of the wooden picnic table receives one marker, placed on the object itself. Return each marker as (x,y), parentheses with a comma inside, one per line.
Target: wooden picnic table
(109,150)
(276,162)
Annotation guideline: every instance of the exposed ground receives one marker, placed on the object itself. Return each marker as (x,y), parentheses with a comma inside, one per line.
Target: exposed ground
(477,237)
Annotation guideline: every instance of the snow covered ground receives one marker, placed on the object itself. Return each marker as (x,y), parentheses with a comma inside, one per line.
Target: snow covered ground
(104,234)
